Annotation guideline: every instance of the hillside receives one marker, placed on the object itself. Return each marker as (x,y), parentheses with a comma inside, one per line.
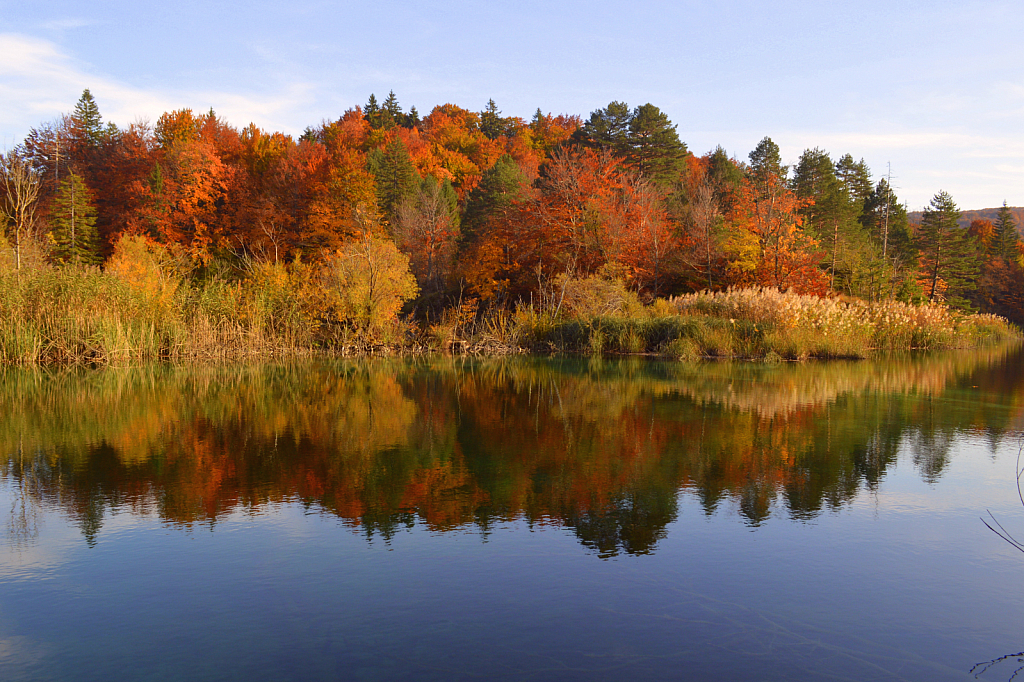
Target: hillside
(978,214)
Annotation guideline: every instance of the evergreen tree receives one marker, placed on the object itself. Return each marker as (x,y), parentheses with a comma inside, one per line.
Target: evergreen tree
(372,109)
(885,221)
(644,138)
(491,123)
(395,174)
(606,128)
(726,178)
(412,119)
(88,125)
(389,115)
(74,223)
(885,218)
(391,105)
(766,169)
(950,260)
(1007,236)
(855,177)
(831,215)
(814,178)
(655,149)
(499,187)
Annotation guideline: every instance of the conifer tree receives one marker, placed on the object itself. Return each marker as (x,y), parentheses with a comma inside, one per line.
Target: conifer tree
(491,123)
(655,149)
(766,163)
(88,124)
(830,212)
(391,105)
(412,119)
(855,177)
(372,110)
(1007,235)
(887,225)
(395,174)
(74,223)
(644,138)
(949,259)
(726,178)
(606,128)
(389,115)
(499,187)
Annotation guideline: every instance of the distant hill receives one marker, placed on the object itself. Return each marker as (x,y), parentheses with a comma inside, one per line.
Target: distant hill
(978,214)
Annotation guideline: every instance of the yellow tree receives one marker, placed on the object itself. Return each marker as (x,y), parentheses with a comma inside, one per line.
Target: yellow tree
(369,280)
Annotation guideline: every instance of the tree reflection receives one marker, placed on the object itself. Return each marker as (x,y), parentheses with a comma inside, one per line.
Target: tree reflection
(602,448)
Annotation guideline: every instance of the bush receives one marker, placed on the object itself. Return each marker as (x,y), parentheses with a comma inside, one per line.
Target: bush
(368,281)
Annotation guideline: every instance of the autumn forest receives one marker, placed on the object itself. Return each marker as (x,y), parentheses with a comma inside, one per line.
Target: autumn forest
(383,215)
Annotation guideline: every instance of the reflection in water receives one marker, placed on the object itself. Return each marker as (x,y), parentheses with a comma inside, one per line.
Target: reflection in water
(601,447)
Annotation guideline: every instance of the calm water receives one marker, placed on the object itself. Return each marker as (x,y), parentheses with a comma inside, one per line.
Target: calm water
(512,520)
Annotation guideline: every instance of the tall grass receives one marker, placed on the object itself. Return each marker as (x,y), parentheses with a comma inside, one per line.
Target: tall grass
(147,304)
(144,306)
(764,324)
(79,314)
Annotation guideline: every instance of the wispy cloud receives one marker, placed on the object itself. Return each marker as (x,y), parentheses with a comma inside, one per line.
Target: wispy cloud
(67,24)
(39,81)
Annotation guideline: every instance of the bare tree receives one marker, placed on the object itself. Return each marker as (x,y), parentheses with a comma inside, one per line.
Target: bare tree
(19,190)
(427,230)
(702,219)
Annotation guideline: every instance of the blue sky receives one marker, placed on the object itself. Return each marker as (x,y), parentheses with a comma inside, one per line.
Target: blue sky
(934,88)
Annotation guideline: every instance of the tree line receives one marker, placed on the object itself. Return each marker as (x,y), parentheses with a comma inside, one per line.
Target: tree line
(495,208)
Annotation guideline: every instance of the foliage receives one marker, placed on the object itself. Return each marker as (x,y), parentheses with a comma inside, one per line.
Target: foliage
(949,257)
(368,281)
(73,221)
(503,210)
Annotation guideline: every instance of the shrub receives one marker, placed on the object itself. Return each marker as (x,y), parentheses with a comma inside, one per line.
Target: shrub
(368,281)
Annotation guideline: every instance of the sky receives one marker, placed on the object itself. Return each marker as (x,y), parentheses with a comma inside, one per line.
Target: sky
(931,91)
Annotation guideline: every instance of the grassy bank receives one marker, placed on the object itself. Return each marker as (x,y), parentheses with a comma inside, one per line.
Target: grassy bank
(142,308)
(765,324)
(149,303)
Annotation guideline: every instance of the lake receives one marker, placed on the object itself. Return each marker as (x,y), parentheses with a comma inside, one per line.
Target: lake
(513,519)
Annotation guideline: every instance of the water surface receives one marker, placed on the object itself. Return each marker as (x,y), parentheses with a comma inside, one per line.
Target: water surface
(519,519)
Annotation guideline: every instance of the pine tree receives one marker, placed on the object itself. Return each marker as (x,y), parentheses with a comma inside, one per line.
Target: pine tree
(766,163)
(389,115)
(1007,235)
(644,138)
(395,174)
(499,187)
(372,110)
(726,178)
(492,124)
(74,223)
(887,225)
(606,128)
(814,178)
(391,105)
(412,119)
(88,125)
(855,177)
(831,215)
(655,149)
(949,259)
